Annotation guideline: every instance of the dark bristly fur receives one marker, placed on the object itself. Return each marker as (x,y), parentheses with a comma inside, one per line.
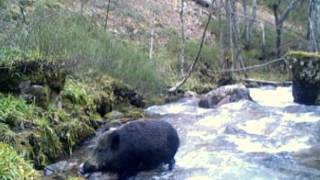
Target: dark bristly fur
(134,147)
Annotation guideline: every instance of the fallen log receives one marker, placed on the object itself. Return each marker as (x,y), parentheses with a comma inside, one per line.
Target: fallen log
(258,83)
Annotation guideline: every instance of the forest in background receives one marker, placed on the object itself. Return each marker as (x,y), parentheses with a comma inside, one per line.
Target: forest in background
(136,45)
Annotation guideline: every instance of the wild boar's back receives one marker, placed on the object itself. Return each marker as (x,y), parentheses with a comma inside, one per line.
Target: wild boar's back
(147,143)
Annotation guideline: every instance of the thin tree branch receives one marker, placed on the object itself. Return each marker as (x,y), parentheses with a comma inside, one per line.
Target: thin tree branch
(107,15)
(285,14)
(191,68)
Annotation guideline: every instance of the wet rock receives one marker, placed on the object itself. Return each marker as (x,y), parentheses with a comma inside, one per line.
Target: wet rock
(224,95)
(33,80)
(305,93)
(38,94)
(305,68)
(190,94)
(58,167)
(100,175)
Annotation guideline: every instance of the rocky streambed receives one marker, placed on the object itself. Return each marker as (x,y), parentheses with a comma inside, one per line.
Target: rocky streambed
(271,138)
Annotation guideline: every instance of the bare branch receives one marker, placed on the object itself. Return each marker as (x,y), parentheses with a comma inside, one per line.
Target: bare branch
(285,14)
(191,68)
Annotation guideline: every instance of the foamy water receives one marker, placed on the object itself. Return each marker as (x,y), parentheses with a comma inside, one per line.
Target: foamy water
(272,138)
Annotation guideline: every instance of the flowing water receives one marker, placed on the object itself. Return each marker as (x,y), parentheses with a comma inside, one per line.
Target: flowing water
(271,138)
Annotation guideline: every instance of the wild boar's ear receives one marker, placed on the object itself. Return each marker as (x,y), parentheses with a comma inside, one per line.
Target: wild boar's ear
(114,140)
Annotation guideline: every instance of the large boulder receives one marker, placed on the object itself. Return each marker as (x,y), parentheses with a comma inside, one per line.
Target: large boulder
(225,94)
(305,68)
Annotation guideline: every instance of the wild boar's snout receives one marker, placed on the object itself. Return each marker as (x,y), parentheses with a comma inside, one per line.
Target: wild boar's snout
(86,167)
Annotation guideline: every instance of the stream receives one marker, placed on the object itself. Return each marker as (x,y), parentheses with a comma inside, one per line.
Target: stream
(272,138)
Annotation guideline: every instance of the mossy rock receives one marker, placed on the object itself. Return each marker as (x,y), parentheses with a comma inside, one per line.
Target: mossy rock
(305,66)
(132,112)
(39,80)
(38,72)
(103,103)
(304,55)
(13,166)
(122,92)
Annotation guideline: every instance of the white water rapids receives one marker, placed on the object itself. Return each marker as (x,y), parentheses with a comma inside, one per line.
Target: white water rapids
(271,138)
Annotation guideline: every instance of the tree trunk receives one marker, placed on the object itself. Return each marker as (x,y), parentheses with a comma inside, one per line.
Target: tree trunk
(182,46)
(151,44)
(312,25)
(107,15)
(253,18)
(278,29)
(248,21)
(278,40)
(230,28)
(246,24)
(279,20)
(263,39)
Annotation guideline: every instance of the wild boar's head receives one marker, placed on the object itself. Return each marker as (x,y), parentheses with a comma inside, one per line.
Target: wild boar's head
(103,154)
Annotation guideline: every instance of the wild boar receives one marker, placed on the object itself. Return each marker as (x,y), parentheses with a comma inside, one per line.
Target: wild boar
(134,147)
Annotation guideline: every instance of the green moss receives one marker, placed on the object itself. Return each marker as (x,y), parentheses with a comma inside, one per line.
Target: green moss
(13,166)
(132,112)
(305,66)
(49,75)
(76,92)
(38,134)
(303,55)
(76,178)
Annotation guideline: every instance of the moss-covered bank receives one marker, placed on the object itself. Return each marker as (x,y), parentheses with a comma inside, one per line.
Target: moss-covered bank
(44,113)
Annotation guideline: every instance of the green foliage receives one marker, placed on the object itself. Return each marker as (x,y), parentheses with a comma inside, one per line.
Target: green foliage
(2,3)
(76,92)
(72,132)
(40,135)
(11,55)
(16,112)
(6,134)
(14,167)
(62,34)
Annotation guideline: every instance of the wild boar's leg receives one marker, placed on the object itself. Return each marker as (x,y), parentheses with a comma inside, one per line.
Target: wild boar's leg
(172,164)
